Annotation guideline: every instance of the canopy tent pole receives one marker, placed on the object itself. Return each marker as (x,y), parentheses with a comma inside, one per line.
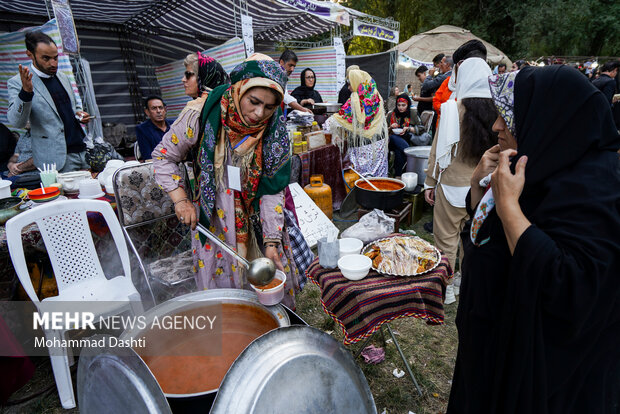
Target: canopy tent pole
(129,63)
(47,7)
(392,72)
(138,25)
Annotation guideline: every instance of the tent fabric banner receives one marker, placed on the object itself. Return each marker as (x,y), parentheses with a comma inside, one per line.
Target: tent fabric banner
(372,30)
(13,54)
(322,60)
(248,34)
(341,66)
(66,25)
(414,63)
(169,76)
(325,10)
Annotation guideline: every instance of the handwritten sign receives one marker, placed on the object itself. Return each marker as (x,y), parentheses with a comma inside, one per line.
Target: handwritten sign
(248,34)
(340,63)
(313,222)
(371,30)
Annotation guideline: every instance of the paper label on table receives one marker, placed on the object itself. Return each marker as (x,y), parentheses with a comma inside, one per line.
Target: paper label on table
(314,224)
(234,178)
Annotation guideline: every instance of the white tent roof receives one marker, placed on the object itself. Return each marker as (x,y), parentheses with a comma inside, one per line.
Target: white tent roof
(446,39)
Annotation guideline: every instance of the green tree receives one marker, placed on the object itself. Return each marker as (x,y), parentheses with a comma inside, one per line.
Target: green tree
(529,28)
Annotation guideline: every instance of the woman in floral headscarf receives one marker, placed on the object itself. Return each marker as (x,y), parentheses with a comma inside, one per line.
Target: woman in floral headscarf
(243,168)
(362,125)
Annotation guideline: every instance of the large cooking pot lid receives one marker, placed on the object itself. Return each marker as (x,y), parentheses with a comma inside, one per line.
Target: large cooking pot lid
(116,380)
(284,362)
(421,152)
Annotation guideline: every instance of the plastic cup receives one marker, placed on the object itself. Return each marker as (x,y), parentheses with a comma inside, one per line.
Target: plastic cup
(48,178)
(329,252)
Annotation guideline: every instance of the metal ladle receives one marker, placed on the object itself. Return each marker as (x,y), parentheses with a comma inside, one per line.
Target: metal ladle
(365,179)
(261,271)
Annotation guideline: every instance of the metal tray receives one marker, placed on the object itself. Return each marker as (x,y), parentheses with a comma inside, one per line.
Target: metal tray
(116,380)
(296,369)
(437,255)
(329,106)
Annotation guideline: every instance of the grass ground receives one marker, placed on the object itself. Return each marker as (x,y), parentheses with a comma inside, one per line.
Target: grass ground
(431,351)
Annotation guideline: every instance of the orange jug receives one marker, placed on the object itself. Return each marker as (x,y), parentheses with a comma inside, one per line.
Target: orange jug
(321,194)
(350,178)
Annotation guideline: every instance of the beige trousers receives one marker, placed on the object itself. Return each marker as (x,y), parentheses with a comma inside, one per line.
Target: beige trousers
(448,221)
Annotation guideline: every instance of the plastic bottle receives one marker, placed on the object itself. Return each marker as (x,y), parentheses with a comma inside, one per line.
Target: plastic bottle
(315,126)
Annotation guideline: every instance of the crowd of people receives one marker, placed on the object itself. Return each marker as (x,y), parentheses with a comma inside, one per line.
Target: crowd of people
(522,173)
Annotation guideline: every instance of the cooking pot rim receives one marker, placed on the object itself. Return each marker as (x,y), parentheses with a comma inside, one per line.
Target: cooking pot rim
(223,295)
(378,179)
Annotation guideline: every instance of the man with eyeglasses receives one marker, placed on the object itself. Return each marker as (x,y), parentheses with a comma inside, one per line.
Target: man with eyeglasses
(150,132)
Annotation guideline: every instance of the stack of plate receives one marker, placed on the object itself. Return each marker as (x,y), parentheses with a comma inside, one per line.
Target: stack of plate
(43,195)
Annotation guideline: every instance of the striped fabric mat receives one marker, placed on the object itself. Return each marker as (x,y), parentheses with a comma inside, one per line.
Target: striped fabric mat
(361,307)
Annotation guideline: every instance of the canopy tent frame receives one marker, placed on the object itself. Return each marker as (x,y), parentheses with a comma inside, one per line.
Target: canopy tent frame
(153,21)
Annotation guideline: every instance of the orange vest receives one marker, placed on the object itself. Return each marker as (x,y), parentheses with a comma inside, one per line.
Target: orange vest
(441,96)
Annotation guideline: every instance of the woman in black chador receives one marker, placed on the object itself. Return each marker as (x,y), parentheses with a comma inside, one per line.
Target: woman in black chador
(305,94)
(539,313)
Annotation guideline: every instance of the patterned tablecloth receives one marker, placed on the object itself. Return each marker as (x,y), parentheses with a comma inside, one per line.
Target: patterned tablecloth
(361,307)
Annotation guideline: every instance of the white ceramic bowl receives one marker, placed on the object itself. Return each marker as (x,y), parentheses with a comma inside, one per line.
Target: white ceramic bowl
(274,295)
(354,266)
(90,189)
(115,164)
(397,131)
(410,179)
(103,175)
(349,245)
(70,181)
(5,188)
(109,189)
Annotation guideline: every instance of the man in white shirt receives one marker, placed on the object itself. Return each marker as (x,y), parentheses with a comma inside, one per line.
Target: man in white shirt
(288,61)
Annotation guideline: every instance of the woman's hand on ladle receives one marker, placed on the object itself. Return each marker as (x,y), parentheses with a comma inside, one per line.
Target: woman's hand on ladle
(271,252)
(186,213)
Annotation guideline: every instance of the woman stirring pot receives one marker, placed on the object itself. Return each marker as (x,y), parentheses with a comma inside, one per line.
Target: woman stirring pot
(243,168)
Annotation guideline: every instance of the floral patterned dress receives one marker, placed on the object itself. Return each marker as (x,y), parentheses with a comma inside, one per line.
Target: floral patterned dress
(215,268)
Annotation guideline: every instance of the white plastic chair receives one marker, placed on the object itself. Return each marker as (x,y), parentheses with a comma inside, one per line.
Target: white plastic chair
(427,120)
(66,233)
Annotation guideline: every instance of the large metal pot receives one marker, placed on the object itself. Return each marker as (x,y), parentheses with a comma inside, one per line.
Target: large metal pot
(417,161)
(389,199)
(200,401)
(326,107)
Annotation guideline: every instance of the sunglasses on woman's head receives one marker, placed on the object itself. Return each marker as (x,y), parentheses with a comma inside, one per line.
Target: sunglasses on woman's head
(188,74)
